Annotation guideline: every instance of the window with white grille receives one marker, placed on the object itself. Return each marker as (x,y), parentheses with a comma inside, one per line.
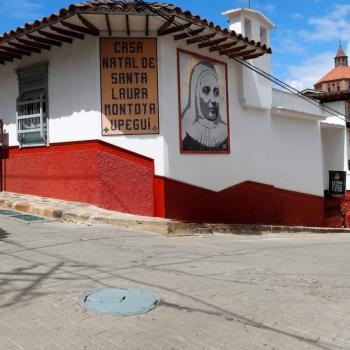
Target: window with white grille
(32,106)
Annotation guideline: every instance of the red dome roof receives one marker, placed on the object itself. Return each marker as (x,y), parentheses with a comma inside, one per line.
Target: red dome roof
(338,73)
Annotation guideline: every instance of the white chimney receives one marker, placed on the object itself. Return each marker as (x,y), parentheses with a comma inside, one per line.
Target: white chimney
(255,91)
(250,23)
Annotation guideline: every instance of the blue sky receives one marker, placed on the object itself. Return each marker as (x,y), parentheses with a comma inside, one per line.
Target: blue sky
(303,44)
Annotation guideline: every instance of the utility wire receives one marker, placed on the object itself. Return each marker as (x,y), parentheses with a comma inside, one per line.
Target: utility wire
(266,75)
(248,65)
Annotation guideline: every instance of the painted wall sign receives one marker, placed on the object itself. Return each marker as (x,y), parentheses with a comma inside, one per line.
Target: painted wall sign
(337,182)
(129,86)
(203,104)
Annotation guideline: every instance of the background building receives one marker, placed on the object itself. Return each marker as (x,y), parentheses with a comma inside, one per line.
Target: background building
(336,83)
(333,90)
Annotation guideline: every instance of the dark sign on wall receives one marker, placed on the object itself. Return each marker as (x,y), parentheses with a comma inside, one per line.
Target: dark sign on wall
(129,86)
(337,182)
(1,132)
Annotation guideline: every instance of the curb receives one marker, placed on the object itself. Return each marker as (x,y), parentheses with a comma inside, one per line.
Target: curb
(154,225)
(166,227)
(195,229)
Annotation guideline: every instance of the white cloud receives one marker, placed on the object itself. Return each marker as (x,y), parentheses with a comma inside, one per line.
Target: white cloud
(287,43)
(340,11)
(305,75)
(334,26)
(269,8)
(297,16)
(347,51)
(295,84)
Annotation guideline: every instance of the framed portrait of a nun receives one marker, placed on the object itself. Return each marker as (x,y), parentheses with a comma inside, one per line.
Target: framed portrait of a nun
(203,104)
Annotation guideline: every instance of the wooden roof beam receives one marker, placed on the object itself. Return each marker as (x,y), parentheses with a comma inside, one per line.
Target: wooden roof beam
(243,53)
(11,56)
(56,37)
(2,59)
(165,26)
(44,40)
(80,29)
(175,29)
(24,47)
(147,26)
(108,23)
(17,51)
(211,43)
(127,25)
(88,24)
(249,57)
(223,47)
(67,32)
(34,44)
(7,58)
(234,50)
(201,38)
(190,33)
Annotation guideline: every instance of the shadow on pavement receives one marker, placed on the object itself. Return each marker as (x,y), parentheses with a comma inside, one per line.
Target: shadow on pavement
(3,234)
(68,269)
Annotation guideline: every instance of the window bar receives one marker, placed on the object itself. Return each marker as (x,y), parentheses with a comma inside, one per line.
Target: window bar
(41,115)
(18,126)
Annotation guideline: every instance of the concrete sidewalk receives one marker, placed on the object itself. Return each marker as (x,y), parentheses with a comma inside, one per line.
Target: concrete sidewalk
(80,212)
(219,292)
(86,213)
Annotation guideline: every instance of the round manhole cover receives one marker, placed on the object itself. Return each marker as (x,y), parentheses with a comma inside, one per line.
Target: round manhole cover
(119,301)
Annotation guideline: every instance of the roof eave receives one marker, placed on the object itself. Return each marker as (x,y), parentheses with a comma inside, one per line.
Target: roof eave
(125,9)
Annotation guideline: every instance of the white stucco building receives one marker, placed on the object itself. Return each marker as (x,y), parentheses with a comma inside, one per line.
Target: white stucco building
(271,168)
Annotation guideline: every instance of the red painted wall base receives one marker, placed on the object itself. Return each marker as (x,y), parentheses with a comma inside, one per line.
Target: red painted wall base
(92,172)
(112,178)
(246,203)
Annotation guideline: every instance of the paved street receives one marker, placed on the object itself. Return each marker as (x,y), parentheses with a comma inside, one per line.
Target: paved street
(219,292)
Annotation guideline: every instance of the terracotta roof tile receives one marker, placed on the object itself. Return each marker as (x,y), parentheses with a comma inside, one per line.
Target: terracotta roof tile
(341,52)
(338,73)
(122,6)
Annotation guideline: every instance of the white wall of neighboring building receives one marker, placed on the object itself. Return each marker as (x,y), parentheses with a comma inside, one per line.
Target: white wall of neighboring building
(334,152)
(335,119)
(335,142)
(283,150)
(296,155)
(285,103)
(296,144)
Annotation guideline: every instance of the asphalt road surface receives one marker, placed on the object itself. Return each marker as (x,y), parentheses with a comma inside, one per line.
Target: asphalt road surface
(218,292)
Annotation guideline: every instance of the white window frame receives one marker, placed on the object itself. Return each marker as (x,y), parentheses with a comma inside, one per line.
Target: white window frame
(32,116)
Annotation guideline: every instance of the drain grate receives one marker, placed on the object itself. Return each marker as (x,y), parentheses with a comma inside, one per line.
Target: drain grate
(21,216)
(9,212)
(120,301)
(28,217)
